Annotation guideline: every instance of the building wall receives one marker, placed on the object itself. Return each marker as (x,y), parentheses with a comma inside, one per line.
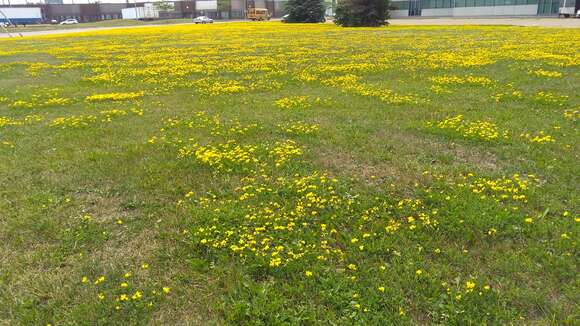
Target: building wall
(206,5)
(399,13)
(437,12)
(474,8)
(260,3)
(521,10)
(111,10)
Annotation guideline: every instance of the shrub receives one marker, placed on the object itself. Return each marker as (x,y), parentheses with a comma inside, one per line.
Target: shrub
(305,11)
(351,13)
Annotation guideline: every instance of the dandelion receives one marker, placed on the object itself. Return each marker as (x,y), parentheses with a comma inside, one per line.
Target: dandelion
(469,286)
(137,295)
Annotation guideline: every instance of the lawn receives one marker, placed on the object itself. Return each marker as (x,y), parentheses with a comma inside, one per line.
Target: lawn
(104,23)
(268,173)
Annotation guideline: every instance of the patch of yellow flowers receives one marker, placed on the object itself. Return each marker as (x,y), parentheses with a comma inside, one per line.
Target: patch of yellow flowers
(114,96)
(482,130)
(293,102)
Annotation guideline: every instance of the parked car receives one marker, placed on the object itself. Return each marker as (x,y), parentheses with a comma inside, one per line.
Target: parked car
(203,20)
(69,22)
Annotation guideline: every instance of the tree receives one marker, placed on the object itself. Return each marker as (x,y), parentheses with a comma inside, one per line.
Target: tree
(165,6)
(224,6)
(305,11)
(351,13)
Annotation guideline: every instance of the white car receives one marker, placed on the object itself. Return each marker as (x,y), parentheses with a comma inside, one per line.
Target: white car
(69,22)
(203,20)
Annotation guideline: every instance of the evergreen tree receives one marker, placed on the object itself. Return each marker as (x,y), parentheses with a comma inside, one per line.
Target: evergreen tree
(362,13)
(305,11)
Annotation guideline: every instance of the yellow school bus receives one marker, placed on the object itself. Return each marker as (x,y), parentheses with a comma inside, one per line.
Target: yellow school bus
(258,14)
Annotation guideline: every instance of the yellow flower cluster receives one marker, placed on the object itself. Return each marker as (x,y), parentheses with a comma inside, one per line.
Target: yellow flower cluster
(214,124)
(220,156)
(462,80)
(273,230)
(114,96)
(299,128)
(123,293)
(41,98)
(351,83)
(482,130)
(108,115)
(461,292)
(546,73)
(551,98)
(81,121)
(572,115)
(73,121)
(284,151)
(512,188)
(503,96)
(217,87)
(293,102)
(7,144)
(538,138)
(5,121)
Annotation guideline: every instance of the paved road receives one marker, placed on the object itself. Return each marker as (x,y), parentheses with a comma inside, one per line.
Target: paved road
(540,22)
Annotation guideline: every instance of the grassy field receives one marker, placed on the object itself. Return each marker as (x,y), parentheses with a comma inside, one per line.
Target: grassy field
(104,23)
(268,174)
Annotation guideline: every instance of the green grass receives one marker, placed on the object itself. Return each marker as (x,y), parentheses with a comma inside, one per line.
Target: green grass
(93,188)
(104,23)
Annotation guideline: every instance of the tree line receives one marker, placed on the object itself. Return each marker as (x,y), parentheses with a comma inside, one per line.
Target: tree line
(349,13)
